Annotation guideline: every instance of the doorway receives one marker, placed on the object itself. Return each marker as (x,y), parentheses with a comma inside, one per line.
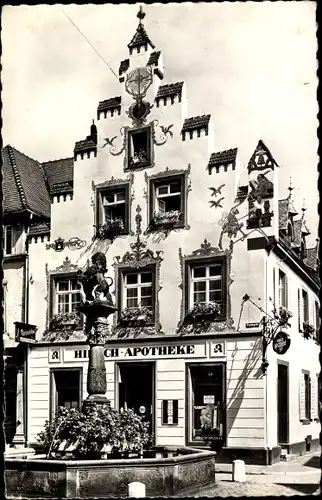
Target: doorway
(136,390)
(282,404)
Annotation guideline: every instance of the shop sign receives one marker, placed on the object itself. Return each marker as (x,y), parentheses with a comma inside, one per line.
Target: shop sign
(54,355)
(217,349)
(252,325)
(209,400)
(168,351)
(25,333)
(281,342)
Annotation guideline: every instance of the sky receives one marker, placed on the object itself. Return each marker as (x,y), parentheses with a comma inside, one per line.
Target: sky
(251,65)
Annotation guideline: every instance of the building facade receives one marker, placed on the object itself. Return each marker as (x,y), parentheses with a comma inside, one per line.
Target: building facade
(203,256)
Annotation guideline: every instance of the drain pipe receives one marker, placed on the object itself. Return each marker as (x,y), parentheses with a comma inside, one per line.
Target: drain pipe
(266,415)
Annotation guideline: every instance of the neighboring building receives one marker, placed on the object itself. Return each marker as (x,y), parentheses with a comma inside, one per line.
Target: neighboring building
(138,189)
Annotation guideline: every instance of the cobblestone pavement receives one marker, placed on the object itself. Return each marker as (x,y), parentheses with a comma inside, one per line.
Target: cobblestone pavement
(253,489)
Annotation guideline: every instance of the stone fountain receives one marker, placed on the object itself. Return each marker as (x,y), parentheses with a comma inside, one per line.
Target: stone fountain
(97,305)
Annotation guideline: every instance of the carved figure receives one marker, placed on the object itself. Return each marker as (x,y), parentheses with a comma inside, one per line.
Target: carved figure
(94,283)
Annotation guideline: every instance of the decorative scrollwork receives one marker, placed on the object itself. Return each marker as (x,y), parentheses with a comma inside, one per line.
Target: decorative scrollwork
(73,243)
(164,134)
(110,142)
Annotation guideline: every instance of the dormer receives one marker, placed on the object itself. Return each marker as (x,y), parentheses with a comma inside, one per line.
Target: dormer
(88,147)
(286,214)
(169,94)
(195,127)
(110,107)
(222,161)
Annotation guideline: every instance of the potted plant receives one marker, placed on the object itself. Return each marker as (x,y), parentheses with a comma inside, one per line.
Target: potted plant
(283,316)
(65,319)
(166,219)
(110,228)
(203,311)
(308,329)
(134,316)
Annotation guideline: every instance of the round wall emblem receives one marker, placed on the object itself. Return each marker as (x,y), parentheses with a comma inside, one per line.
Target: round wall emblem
(281,342)
(142,409)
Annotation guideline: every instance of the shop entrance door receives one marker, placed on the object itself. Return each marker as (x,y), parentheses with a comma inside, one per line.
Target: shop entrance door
(282,404)
(136,389)
(206,402)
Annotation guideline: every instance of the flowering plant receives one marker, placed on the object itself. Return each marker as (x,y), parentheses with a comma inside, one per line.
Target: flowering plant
(203,309)
(167,219)
(90,434)
(308,329)
(134,315)
(68,317)
(282,316)
(112,226)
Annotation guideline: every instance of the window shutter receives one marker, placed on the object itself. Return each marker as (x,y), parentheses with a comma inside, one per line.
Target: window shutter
(286,292)
(274,286)
(314,398)
(175,411)
(302,397)
(164,411)
(299,308)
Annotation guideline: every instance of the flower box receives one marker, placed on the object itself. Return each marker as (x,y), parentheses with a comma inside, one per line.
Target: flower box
(134,316)
(203,311)
(63,320)
(167,219)
(284,315)
(110,228)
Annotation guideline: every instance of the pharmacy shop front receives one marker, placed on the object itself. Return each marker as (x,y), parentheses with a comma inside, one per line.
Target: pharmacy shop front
(187,389)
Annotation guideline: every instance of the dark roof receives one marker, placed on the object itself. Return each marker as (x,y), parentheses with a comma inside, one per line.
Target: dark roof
(140,38)
(282,214)
(297,233)
(85,145)
(24,184)
(242,193)
(112,103)
(311,259)
(154,57)
(39,228)
(223,157)
(124,65)
(196,122)
(59,175)
(169,90)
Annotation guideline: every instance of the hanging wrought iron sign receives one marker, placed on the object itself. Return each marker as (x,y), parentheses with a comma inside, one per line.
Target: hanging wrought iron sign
(25,332)
(73,243)
(281,342)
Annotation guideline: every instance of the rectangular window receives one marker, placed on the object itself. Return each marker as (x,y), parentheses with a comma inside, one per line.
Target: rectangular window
(138,289)
(305,305)
(8,240)
(168,200)
(282,289)
(207,284)
(206,403)
(307,390)
(139,148)
(113,211)
(317,321)
(169,412)
(67,296)
(66,389)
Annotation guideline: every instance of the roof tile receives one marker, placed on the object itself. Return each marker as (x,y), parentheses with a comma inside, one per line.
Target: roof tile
(195,123)
(140,38)
(169,90)
(112,103)
(154,58)
(222,157)
(39,228)
(124,66)
(59,175)
(85,145)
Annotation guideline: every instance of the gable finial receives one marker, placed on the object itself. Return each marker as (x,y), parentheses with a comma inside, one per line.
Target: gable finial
(290,188)
(304,209)
(140,15)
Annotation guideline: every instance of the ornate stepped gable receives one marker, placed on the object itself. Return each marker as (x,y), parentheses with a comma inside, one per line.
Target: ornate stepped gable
(124,66)
(196,122)
(169,90)
(109,104)
(154,58)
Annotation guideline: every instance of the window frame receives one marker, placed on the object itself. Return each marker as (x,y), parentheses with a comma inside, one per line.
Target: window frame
(305,306)
(212,260)
(122,271)
(53,390)
(5,236)
(317,320)
(54,278)
(113,188)
(148,162)
(162,181)
(282,289)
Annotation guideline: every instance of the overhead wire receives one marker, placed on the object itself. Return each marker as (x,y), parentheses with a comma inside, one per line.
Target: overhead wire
(92,46)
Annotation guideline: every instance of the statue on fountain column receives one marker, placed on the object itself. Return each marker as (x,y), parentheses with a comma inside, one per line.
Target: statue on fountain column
(94,284)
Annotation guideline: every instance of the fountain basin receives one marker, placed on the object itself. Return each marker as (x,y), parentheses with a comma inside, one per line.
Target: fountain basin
(168,471)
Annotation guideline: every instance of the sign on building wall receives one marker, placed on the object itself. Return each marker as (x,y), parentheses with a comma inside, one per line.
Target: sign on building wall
(281,342)
(217,349)
(25,332)
(140,352)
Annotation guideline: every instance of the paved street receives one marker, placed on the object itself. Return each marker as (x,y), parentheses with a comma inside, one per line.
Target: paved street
(298,476)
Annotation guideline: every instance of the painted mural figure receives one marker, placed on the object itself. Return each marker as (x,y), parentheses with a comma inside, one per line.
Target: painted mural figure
(230,225)
(261,188)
